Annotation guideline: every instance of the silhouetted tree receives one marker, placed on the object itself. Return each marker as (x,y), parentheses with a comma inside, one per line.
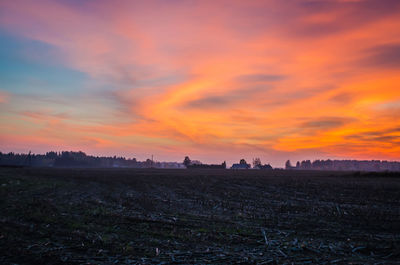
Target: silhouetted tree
(187,161)
(288,165)
(51,155)
(148,163)
(256,162)
(243,162)
(266,166)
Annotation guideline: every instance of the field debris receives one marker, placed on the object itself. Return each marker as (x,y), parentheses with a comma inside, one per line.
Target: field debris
(88,216)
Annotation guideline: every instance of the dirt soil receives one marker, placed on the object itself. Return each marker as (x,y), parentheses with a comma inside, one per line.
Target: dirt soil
(129,216)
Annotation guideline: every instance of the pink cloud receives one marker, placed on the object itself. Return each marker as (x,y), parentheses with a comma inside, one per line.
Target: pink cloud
(4,96)
(221,76)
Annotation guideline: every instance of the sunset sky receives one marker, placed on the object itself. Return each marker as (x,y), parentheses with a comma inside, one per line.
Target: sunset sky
(215,80)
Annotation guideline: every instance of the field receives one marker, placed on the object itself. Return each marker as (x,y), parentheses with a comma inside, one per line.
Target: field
(128,216)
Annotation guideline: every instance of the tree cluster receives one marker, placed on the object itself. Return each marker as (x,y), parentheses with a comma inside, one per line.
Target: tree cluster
(345,165)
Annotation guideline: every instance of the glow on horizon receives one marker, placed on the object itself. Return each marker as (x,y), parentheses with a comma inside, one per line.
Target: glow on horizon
(215,80)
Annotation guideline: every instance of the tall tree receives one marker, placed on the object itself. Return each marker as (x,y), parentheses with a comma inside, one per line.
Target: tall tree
(288,165)
(243,162)
(257,162)
(187,161)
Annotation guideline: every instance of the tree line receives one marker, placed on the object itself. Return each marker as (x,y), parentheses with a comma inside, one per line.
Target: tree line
(344,165)
(68,159)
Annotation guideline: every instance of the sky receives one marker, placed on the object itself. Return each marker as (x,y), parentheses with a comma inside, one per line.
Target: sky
(215,80)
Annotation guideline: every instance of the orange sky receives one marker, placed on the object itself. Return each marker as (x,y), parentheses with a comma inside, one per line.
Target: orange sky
(216,80)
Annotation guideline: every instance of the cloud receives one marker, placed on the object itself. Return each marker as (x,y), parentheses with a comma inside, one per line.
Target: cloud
(273,76)
(384,136)
(324,123)
(343,98)
(208,102)
(4,96)
(44,115)
(387,56)
(319,18)
(232,98)
(260,78)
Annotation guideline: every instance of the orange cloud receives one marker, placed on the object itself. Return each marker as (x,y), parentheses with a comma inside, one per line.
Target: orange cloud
(269,78)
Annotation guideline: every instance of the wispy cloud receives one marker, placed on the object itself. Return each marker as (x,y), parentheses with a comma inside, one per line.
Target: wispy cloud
(266,77)
(4,96)
(260,78)
(325,123)
(382,56)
